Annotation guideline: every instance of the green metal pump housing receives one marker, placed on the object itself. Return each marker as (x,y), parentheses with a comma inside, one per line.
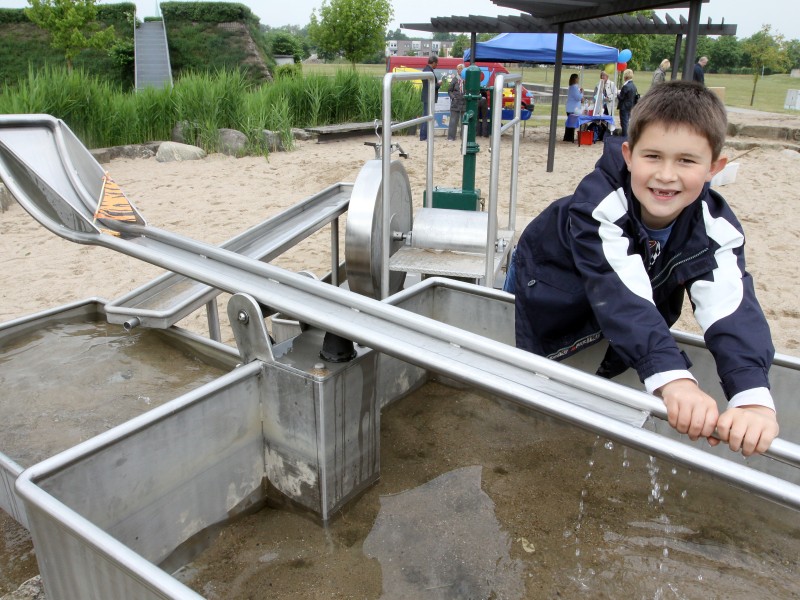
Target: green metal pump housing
(466,198)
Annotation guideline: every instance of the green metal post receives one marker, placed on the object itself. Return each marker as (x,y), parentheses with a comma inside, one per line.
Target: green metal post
(472,94)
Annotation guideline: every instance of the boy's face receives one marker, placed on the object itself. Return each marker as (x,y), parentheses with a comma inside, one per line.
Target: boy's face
(668,169)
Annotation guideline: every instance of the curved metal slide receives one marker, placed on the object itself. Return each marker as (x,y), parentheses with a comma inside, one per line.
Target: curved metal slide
(54,177)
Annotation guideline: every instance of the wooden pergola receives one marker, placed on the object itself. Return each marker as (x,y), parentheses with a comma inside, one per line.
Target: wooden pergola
(584,16)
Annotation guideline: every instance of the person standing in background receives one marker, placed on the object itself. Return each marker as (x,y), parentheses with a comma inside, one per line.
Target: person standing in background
(660,74)
(574,100)
(433,62)
(457,105)
(699,73)
(628,95)
(606,91)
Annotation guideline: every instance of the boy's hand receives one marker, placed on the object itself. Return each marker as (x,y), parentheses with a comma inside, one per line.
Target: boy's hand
(751,428)
(689,409)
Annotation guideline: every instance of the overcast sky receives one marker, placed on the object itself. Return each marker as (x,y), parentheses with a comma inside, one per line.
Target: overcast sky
(748,15)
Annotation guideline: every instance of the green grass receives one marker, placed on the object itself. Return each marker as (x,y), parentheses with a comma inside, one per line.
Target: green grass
(770,91)
(103,114)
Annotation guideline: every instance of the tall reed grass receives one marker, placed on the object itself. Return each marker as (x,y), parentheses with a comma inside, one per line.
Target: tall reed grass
(102,115)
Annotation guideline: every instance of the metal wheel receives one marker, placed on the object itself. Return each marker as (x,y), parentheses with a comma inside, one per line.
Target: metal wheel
(364,237)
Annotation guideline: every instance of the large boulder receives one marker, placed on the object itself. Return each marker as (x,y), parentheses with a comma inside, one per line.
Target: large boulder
(232,142)
(174,151)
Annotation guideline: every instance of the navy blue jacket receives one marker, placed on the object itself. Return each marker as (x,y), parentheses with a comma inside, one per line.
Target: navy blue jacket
(581,275)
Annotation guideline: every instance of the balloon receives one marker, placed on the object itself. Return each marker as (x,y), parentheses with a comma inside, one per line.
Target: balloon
(609,68)
(624,56)
(622,66)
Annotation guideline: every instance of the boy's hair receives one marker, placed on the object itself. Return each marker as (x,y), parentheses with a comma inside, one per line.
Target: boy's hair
(433,59)
(675,103)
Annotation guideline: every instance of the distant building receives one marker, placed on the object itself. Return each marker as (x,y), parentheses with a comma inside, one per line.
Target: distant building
(418,48)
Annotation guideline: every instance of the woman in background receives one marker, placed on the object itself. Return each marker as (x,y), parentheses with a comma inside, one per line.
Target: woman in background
(660,74)
(628,95)
(574,100)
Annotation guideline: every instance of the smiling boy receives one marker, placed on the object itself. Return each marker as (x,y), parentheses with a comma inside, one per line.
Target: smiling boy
(614,259)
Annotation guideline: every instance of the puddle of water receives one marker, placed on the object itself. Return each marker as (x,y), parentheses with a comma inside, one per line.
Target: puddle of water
(67,382)
(442,540)
(643,533)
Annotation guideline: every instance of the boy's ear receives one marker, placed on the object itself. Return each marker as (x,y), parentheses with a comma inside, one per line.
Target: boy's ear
(716,167)
(626,154)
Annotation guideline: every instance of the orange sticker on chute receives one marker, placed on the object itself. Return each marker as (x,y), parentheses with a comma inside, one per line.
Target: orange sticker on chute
(113,203)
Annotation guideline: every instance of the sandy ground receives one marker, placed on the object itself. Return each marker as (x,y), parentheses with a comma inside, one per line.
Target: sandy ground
(216,198)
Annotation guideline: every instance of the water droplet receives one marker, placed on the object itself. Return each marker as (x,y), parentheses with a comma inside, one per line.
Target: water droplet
(699,578)
(577,551)
(666,552)
(609,445)
(626,463)
(674,471)
(684,493)
(591,463)
(584,493)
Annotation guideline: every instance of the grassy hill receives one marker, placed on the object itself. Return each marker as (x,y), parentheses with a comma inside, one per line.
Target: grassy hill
(25,46)
(201,35)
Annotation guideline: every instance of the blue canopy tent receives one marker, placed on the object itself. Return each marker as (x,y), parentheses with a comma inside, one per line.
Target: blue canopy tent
(540,48)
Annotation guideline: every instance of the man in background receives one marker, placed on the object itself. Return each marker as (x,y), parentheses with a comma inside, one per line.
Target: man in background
(699,74)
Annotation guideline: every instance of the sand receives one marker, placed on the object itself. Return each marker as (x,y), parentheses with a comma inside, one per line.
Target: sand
(216,198)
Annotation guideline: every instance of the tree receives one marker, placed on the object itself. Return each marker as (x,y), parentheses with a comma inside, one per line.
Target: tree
(793,52)
(397,34)
(283,43)
(725,54)
(638,44)
(661,47)
(353,28)
(71,24)
(766,52)
(460,44)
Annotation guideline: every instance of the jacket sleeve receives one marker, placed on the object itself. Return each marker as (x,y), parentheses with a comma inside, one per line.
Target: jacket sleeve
(725,305)
(618,287)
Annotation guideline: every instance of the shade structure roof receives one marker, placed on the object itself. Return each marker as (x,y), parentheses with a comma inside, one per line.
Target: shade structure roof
(541,48)
(565,11)
(617,24)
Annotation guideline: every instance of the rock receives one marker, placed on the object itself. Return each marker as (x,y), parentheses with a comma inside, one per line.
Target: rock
(104,155)
(232,142)
(174,151)
(30,590)
(764,132)
(101,155)
(301,134)
(6,199)
(274,141)
(184,132)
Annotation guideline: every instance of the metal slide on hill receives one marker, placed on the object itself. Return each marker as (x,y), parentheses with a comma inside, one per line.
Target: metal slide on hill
(152,55)
(60,184)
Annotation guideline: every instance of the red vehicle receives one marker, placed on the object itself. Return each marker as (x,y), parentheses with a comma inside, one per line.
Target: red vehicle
(447,68)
